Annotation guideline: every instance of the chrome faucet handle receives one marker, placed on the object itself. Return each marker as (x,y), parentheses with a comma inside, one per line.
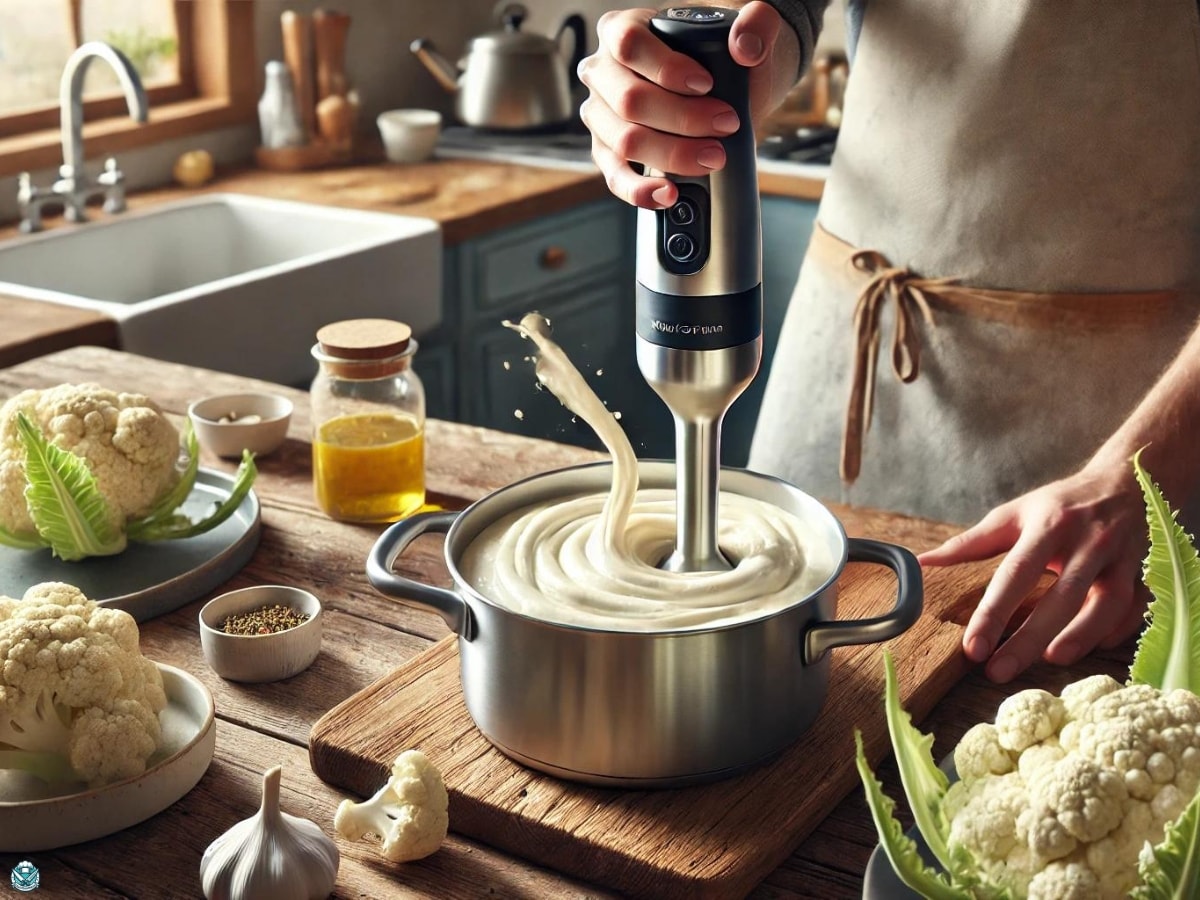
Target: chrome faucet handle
(29,201)
(112,179)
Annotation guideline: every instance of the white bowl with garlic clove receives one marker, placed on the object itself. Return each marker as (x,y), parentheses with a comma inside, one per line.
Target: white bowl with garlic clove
(227,424)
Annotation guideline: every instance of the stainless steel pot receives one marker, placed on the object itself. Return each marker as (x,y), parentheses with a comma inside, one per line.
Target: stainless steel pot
(511,80)
(639,709)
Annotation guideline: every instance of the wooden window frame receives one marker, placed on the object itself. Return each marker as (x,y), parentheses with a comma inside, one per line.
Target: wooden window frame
(217,88)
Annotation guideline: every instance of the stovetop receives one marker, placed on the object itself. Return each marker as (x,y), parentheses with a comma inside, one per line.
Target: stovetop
(807,151)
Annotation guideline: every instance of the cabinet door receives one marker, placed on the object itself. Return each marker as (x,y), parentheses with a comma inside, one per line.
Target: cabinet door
(597,336)
(787,225)
(435,366)
(543,258)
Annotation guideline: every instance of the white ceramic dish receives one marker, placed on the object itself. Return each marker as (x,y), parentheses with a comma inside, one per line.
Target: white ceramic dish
(227,424)
(33,817)
(409,135)
(148,580)
(260,657)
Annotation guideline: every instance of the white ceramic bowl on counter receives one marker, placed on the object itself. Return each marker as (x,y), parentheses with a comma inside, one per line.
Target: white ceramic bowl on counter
(227,424)
(409,135)
(260,657)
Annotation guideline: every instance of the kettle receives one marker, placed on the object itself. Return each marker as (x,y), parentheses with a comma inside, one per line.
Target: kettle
(511,80)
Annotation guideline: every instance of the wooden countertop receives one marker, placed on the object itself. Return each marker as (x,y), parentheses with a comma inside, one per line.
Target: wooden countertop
(366,637)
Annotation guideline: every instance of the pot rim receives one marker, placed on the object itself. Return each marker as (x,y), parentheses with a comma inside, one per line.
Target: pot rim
(464,587)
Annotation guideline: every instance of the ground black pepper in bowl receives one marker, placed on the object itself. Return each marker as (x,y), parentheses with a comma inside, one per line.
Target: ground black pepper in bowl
(264,620)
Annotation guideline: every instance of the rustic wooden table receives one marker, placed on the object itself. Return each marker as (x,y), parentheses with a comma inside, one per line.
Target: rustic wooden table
(366,637)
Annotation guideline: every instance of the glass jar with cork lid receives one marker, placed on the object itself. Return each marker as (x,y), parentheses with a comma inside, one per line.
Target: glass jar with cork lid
(368,409)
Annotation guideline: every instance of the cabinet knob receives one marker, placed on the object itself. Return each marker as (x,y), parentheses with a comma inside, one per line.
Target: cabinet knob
(554,258)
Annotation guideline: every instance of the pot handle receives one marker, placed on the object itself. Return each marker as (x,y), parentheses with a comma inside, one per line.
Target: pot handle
(389,545)
(910,598)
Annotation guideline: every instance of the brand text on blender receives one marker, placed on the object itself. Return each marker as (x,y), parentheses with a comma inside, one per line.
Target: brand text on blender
(684,328)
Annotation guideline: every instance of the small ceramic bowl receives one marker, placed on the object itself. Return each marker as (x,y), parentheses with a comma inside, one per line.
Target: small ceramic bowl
(260,657)
(409,135)
(226,424)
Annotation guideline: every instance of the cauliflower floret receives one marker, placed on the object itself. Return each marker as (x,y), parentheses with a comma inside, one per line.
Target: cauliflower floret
(78,701)
(1087,800)
(410,813)
(1038,757)
(125,439)
(985,816)
(1114,857)
(979,753)
(1078,696)
(1028,717)
(1065,880)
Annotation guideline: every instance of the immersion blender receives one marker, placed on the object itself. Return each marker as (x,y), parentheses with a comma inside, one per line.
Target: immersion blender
(699,291)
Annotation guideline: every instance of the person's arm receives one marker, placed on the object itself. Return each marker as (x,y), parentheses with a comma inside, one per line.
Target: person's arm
(648,104)
(1089,529)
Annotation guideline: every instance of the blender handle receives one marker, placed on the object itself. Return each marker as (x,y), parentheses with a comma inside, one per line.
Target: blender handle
(708,44)
(389,545)
(910,598)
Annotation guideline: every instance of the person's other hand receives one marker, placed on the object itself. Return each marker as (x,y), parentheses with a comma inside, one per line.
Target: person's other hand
(1089,530)
(647,103)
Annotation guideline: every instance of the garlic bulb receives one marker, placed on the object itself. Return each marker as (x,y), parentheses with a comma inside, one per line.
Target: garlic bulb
(270,855)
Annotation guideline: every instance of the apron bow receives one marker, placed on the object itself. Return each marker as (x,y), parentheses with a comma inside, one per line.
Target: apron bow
(908,294)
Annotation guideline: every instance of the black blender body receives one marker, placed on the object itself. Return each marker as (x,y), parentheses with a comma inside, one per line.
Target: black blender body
(699,290)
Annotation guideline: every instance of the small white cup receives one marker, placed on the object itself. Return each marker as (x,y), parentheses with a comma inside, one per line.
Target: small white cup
(409,135)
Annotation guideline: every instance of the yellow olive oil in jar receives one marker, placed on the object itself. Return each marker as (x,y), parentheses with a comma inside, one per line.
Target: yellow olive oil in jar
(368,422)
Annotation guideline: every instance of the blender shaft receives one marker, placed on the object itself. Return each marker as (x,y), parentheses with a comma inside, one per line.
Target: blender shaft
(696,487)
(698,386)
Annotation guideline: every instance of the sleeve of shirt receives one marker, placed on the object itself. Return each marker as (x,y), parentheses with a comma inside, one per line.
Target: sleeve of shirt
(805,17)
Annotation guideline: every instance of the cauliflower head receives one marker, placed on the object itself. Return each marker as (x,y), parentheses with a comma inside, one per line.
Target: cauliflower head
(409,814)
(78,701)
(128,444)
(84,469)
(1109,767)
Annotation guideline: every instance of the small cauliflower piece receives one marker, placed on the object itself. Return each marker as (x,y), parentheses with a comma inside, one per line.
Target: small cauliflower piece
(1079,695)
(78,701)
(409,814)
(984,820)
(979,753)
(1028,717)
(1065,880)
(1088,801)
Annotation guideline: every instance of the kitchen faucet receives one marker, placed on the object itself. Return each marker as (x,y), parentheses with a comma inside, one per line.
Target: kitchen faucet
(72,189)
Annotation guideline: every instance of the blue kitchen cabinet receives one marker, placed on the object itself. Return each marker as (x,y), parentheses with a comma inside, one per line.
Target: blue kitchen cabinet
(787,225)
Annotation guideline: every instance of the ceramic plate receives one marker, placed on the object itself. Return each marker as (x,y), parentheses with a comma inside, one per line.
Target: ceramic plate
(879,880)
(34,818)
(148,580)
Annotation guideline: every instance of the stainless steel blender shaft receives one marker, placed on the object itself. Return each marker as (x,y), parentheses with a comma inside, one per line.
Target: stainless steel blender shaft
(698,386)
(699,300)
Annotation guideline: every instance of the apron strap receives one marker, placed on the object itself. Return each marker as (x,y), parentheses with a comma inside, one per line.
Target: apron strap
(909,294)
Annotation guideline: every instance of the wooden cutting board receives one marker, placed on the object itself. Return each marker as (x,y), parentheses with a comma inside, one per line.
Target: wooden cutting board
(715,840)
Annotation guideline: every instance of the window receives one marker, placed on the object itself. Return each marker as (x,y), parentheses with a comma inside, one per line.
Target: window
(196,59)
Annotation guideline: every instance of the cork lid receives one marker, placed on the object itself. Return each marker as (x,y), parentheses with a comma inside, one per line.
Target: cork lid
(364,338)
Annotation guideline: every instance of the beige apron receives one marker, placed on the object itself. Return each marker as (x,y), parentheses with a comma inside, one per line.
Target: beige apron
(1007,251)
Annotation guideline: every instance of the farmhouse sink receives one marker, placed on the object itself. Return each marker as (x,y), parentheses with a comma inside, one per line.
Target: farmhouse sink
(232,282)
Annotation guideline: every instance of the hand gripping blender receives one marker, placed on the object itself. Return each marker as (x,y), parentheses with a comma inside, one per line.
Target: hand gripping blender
(699,292)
